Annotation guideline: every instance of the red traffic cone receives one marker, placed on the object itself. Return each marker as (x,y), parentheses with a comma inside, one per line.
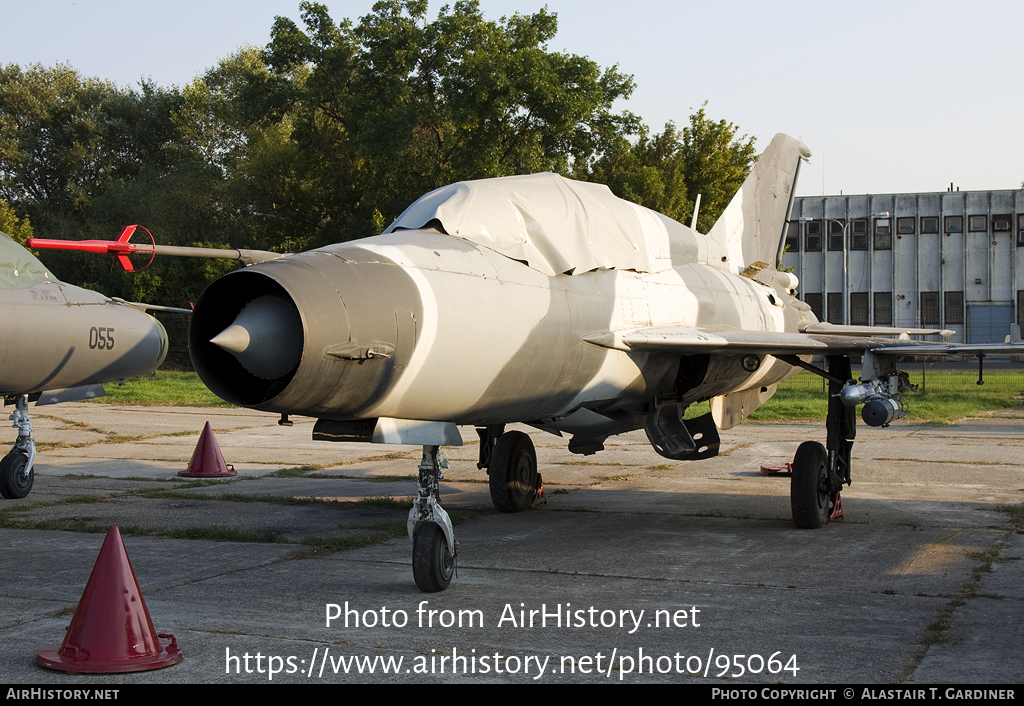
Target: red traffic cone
(111,630)
(207,460)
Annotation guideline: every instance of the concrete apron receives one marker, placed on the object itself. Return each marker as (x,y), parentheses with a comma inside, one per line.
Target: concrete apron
(638,569)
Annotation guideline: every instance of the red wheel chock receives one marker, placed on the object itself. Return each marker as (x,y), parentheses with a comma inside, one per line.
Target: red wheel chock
(837,508)
(539,497)
(785,469)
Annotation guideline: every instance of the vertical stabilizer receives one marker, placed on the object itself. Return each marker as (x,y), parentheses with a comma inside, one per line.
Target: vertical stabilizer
(753,224)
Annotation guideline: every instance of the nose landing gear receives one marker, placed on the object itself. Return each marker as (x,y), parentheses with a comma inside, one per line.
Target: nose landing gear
(16,476)
(434,549)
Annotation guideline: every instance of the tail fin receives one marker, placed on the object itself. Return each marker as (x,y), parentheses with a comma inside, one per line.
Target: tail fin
(753,224)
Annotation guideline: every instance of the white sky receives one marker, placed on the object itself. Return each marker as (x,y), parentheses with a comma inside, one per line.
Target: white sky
(893,96)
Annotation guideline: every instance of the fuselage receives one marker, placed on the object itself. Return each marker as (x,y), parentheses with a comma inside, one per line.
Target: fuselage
(422,325)
(54,335)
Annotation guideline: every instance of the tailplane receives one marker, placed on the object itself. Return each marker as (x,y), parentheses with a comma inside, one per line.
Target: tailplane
(753,224)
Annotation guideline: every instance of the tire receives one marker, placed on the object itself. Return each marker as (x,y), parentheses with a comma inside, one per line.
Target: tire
(513,472)
(13,484)
(808,489)
(432,562)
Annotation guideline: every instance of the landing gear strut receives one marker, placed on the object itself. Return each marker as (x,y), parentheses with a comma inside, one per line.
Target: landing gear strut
(434,548)
(16,475)
(819,472)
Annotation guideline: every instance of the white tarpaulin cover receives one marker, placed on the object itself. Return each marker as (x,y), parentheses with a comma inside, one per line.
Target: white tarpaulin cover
(553,224)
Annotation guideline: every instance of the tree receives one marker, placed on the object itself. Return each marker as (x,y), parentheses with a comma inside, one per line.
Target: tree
(63,138)
(328,133)
(18,228)
(666,171)
(398,105)
(715,163)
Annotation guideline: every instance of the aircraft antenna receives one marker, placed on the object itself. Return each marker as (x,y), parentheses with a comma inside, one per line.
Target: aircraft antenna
(696,209)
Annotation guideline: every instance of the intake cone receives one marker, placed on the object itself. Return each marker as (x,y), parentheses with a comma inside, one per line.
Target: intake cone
(111,631)
(207,460)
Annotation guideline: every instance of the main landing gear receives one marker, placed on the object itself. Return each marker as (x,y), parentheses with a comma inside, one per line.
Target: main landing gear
(516,485)
(819,472)
(511,464)
(16,476)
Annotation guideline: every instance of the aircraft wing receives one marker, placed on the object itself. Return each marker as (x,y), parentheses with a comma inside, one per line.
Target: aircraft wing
(686,340)
(151,307)
(818,339)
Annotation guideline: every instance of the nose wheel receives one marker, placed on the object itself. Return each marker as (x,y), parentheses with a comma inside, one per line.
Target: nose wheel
(16,474)
(16,477)
(433,562)
(434,549)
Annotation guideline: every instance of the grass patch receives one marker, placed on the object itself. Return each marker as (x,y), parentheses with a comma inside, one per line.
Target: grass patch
(385,501)
(328,545)
(1015,513)
(162,388)
(944,396)
(296,472)
(706,513)
(205,483)
(212,534)
(160,494)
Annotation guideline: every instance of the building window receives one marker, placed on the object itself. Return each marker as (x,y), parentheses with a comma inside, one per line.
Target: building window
(883,234)
(859,313)
(859,234)
(812,236)
(977,224)
(954,224)
(834,315)
(1020,230)
(929,224)
(930,309)
(835,235)
(793,236)
(883,308)
(1002,224)
(905,226)
(953,308)
(814,301)
(1020,308)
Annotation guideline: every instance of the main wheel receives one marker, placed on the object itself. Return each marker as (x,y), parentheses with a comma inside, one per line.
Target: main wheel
(432,560)
(513,472)
(14,482)
(808,489)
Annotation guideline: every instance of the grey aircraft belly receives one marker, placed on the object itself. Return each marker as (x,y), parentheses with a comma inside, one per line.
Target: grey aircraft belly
(550,302)
(57,344)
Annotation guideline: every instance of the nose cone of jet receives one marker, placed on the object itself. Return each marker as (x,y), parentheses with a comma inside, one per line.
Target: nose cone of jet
(265,337)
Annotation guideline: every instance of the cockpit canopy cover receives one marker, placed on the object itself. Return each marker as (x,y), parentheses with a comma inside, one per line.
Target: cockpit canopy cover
(18,268)
(553,224)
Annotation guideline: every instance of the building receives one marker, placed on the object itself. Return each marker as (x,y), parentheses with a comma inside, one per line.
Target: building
(953,260)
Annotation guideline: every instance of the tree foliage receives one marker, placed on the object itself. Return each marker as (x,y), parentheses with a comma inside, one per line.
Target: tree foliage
(667,171)
(18,228)
(397,105)
(328,133)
